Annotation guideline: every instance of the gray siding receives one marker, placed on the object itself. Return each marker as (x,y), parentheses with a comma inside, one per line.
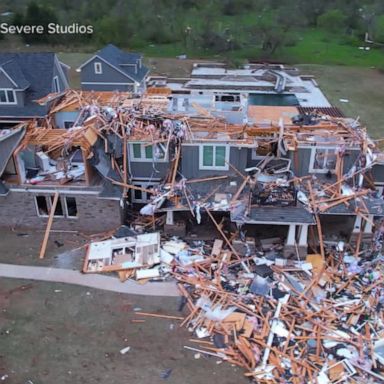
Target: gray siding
(94,214)
(107,87)
(109,75)
(190,162)
(20,97)
(378,173)
(301,160)
(60,76)
(61,117)
(148,169)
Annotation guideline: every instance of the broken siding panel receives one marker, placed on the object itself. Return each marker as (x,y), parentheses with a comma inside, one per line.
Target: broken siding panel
(190,162)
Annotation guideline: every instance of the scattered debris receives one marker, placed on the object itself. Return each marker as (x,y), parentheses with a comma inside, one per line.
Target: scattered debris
(125,350)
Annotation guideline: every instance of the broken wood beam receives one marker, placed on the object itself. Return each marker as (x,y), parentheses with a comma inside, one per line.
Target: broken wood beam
(49,225)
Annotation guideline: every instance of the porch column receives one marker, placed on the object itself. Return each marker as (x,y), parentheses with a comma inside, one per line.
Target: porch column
(169,219)
(357,226)
(303,239)
(368,224)
(291,234)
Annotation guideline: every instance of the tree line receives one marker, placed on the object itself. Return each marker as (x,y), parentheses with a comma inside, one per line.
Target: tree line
(216,26)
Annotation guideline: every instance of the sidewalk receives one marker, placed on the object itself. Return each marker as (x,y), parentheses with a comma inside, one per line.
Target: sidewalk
(88,280)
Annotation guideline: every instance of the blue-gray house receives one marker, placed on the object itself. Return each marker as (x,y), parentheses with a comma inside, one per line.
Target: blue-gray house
(112,69)
(24,78)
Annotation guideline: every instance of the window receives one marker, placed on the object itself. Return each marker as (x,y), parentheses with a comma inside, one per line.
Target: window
(141,196)
(66,206)
(59,209)
(147,152)
(41,205)
(322,160)
(214,157)
(68,124)
(71,205)
(7,96)
(56,84)
(98,68)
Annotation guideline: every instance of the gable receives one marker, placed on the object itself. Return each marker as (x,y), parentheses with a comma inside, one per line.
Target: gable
(109,74)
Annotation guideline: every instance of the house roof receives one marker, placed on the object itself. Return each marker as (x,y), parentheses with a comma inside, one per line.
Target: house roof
(9,140)
(121,60)
(13,70)
(32,71)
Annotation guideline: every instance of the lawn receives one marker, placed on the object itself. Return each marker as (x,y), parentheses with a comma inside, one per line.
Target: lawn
(316,47)
(363,87)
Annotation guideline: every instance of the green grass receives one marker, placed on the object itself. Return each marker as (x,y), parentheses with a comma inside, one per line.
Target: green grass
(312,47)
(363,87)
(316,47)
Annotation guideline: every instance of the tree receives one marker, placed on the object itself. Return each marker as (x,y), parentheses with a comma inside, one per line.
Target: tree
(37,15)
(379,29)
(273,29)
(333,21)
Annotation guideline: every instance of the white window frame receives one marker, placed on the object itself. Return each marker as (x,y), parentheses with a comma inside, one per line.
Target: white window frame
(214,167)
(98,67)
(56,84)
(142,157)
(313,159)
(6,90)
(64,207)
(145,198)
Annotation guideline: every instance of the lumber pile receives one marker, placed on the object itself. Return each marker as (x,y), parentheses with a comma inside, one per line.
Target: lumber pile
(310,321)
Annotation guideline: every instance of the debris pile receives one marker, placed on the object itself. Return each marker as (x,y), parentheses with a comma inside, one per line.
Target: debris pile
(316,320)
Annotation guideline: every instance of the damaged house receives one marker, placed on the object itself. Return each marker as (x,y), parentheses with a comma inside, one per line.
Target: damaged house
(111,156)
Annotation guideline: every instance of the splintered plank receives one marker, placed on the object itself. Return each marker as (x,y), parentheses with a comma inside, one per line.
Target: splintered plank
(49,225)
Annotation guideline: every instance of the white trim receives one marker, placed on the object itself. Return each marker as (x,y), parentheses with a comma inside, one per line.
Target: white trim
(8,77)
(98,68)
(313,159)
(56,84)
(108,63)
(65,65)
(155,180)
(214,167)
(6,90)
(144,195)
(37,206)
(60,69)
(48,201)
(142,158)
(65,206)
(99,82)
(52,191)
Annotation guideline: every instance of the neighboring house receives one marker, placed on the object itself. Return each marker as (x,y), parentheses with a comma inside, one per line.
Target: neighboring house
(112,69)
(24,78)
